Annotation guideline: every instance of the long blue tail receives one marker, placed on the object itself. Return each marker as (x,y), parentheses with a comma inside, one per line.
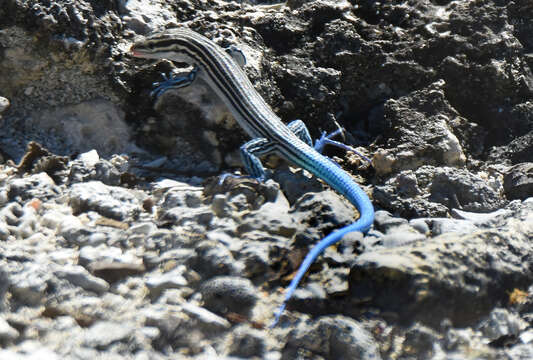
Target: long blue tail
(341,182)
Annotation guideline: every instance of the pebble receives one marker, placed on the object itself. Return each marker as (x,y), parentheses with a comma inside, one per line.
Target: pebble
(247,343)
(89,158)
(78,276)
(104,333)
(334,337)
(224,294)
(109,201)
(29,285)
(384,221)
(480,219)
(206,317)
(400,237)
(501,322)
(420,225)
(173,279)
(518,181)
(443,225)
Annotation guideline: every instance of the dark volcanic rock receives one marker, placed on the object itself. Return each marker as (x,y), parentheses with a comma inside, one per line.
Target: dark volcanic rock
(458,277)
(518,182)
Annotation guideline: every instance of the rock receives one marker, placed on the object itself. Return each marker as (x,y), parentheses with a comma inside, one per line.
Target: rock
(173,279)
(20,222)
(104,333)
(422,126)
(384,221)
(442,226)
(320,212)
(333,337)
(30,283)
(255,257)
(109,201)
(441,189)
(500,323)
(420,341)
(419,225)
(89,158)
(225,294)
(212,259)
(94,124)
(247,343)
(102,253)
(39,186)
(115,271)
(401,236)
(461,189)
(518,182)
(480,219)
(435,277)
(205,317)
(78,276)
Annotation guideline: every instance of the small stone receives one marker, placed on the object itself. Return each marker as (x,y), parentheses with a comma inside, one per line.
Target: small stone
(39,186)
(171,280)
(37,353)
(78,276)
(420,225)
(82,236)
(109,201)
(527,336)
(143,228)
(400,237)
(104,333)
(89,158)
(333,337)
(30,284)
(500,323)
(255,256)
(107,173)
(419,341)
(444,225)
(206,317)
(518,182)
(213,258)
(89,254)
(384,221)
(3,197)
(247,343)
(479,218)
(229,294)
(115,271)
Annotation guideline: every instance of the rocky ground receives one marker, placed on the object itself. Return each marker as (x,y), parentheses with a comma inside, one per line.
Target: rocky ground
(117,240)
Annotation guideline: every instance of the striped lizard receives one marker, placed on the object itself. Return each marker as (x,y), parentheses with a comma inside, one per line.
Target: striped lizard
(269,134)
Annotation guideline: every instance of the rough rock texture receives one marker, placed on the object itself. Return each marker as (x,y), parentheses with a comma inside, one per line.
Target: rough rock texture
(116,242)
